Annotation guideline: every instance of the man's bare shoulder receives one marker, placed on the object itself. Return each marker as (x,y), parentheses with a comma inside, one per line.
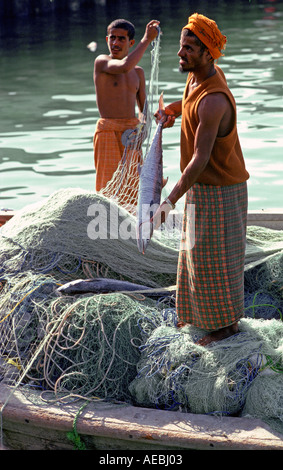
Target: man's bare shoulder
(100,61)
(102,57)
(139,70)
(219,102)
(216,109)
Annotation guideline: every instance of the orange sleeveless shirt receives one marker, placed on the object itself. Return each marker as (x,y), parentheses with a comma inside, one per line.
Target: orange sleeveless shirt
(226,165)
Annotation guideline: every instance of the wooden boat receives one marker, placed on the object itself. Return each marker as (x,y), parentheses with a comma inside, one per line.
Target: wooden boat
(104,426)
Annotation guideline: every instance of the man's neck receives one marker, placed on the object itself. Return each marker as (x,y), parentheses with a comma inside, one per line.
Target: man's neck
(201,75)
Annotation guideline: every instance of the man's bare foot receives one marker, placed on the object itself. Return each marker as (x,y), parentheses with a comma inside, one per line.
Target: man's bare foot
(218,335)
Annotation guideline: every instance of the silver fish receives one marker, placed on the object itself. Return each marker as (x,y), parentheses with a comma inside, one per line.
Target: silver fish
(98,285)
(150,186)
(106,285)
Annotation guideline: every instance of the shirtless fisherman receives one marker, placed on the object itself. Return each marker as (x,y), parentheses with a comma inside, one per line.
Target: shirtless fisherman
(119,84)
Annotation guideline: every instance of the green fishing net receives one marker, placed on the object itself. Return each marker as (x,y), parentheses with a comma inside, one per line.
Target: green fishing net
(77,233)
(79,347)
(175,373)
(127,347)
(265,400)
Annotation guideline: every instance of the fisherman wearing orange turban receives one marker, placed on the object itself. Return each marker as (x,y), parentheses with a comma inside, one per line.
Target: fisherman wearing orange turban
(208,33)
(210,274)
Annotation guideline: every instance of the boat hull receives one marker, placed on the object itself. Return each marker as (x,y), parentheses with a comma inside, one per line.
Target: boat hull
(105,426)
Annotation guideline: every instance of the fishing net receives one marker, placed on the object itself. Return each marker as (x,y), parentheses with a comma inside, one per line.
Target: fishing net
(264,273)
(57,343)
(123,187)
(76,233)
(176,373)
(265,399)
(86,347)
(127,347)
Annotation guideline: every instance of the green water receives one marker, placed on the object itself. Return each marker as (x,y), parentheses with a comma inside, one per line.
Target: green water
(48,107)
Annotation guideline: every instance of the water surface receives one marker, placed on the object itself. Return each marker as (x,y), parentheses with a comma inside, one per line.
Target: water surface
(48,107)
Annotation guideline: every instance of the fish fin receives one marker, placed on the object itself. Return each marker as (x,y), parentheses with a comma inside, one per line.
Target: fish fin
(161,102)
(164,181)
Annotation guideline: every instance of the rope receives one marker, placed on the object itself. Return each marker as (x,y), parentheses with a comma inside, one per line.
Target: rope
(73,435)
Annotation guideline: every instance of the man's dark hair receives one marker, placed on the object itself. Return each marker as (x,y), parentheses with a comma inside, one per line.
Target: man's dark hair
(188,32)
(123,24)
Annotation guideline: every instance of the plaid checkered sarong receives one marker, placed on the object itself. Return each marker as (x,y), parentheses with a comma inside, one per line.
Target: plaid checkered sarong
(210,276)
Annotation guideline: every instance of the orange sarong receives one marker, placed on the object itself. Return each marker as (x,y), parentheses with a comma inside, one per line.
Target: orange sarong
(108,148)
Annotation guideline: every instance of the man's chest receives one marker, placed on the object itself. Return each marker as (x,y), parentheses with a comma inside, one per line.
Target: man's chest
(126,81)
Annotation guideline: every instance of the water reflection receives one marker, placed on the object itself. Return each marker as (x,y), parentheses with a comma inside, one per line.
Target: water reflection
(48,99)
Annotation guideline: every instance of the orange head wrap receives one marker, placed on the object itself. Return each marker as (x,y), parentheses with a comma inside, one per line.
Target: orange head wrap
(208,33)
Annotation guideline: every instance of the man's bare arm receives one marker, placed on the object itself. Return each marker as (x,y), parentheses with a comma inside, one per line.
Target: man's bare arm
(172,111)
(141,94)
(174,108)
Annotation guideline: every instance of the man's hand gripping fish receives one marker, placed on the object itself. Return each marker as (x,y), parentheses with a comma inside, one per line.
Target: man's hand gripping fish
(150,186)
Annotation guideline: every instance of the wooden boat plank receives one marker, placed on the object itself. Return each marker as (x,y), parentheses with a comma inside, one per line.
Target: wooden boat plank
(266,218)
(106,426)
